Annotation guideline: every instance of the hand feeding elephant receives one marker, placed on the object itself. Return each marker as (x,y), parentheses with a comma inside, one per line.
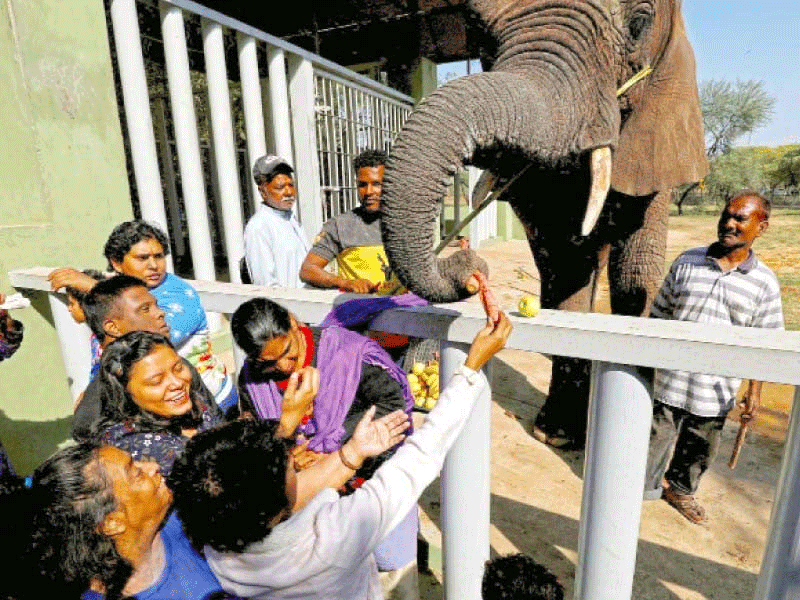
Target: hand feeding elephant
(547,104)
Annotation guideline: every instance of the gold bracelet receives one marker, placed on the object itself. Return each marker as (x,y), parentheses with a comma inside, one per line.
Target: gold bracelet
(345,461)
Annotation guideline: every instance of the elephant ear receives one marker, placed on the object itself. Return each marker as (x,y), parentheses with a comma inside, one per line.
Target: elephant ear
(661,144)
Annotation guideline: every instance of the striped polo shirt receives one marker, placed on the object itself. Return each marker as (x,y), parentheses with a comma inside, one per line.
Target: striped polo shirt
(697,289)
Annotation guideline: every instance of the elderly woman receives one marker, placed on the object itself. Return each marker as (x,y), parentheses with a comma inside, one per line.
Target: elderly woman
(92,522)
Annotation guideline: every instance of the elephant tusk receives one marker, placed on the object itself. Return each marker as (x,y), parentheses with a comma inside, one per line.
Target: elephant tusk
(601,182)
(483,187)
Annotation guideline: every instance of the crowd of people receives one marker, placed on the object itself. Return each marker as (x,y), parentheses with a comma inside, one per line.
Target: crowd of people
(301,479)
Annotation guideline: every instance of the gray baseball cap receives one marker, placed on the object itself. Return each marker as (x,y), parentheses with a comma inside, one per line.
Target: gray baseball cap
(267,164)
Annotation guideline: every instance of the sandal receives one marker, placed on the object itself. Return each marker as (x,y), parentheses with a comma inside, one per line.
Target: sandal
(686,505)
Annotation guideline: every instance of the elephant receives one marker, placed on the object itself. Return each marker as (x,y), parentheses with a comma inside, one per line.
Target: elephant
(587,170)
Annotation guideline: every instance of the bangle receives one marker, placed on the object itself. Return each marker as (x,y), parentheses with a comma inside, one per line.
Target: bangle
(345,461)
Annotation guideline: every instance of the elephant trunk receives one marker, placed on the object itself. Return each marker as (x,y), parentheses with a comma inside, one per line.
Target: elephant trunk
(498,121)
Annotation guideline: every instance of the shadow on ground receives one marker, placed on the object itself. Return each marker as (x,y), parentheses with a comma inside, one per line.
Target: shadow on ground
(660,571)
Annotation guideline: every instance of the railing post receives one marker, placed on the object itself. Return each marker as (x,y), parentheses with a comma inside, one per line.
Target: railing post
(304,114)
(779,578)
(279,103)
(74,342)
(465,491)
(620,413)
(137,110)
(224,147)
(187,140)
(253,107)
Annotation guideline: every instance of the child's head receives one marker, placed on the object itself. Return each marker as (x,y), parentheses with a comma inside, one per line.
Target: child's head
(75,296)
(519,577)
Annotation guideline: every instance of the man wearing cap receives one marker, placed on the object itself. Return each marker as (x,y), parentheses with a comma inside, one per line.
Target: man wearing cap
(274,243)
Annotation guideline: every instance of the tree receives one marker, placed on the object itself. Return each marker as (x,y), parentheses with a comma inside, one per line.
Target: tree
(786,171)
(730,111)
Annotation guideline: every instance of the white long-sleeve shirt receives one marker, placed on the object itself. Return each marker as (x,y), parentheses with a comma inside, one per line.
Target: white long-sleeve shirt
(274,248)
(325,550)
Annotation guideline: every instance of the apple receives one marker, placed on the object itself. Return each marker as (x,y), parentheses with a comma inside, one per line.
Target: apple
(529,306)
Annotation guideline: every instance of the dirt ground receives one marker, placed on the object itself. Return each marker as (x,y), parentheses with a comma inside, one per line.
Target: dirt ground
(536,490)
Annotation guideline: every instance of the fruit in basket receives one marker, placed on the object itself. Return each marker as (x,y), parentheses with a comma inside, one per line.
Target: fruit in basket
(424,383)
(529,306)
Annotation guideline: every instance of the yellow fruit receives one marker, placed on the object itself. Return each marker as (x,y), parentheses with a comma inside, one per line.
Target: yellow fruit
(430,403)
(419,402)
(529,306)
(418,368)
(412,379)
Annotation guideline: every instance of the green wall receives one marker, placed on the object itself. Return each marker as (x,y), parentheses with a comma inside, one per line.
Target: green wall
(64,188)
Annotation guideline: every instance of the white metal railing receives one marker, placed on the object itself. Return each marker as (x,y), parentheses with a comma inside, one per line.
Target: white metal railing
(318,116)
(620,414)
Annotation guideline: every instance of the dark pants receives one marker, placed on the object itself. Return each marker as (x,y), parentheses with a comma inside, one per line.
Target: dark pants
(695,440)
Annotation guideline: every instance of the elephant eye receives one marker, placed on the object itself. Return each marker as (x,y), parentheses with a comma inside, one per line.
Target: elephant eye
(639,23)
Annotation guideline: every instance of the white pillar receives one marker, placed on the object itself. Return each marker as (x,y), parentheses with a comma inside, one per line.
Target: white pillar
(224,153)
(137,110)
(306,168)
(170,181)
(253,108)
(187,141)
(74,341)
(620,413)
(779,578)
(279,103)
(466,491)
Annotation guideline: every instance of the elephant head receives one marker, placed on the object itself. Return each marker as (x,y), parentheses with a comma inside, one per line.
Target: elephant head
(548,101)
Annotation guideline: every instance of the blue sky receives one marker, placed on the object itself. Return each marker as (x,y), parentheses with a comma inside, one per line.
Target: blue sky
(744,39)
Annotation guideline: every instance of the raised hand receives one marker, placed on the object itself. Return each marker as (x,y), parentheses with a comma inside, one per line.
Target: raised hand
(297,399)
(488,342)
(372,437)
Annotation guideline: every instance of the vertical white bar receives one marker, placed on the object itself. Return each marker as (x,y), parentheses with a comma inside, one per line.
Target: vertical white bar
(279,103)
(253,108)
(224,146)
(620,413)
(137,110)
(74,341)
(187,140)
(475,229)
(465,492)
(170,182)
(778,579)
(301,91)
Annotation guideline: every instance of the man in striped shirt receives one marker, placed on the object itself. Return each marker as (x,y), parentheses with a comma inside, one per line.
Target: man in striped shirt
(724,284)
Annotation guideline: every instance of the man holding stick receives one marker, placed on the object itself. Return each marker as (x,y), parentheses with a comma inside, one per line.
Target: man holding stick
(725,284)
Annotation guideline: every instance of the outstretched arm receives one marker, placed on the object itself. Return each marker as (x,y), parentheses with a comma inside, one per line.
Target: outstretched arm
(370,438)
(313,273)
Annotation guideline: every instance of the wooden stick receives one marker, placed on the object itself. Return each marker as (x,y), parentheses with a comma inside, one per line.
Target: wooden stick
(737,447)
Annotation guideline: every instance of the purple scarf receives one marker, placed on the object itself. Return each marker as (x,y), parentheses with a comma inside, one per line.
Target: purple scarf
(339,358)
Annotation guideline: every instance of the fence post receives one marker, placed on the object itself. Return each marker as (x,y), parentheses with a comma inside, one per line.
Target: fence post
(224,154)
(306,167)
(137,111)
(253,107)
(187,141)
(466,491)
(779,578)
(279,103)
(620,413)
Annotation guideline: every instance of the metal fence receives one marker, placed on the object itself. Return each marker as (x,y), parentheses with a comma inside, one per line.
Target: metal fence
(235,93)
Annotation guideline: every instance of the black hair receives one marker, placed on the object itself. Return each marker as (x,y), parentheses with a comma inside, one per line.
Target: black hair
(98,302)
(118,404)
(519,577)
(280,169)
(369,158)
(256,322)
(766,203)
(79,295)
(54,548)
(230,483)
(125,235)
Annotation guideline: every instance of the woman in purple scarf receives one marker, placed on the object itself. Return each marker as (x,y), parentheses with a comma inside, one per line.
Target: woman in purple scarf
(355,373)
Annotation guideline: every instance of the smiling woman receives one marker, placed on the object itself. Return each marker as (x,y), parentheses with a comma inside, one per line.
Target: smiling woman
(153,401)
